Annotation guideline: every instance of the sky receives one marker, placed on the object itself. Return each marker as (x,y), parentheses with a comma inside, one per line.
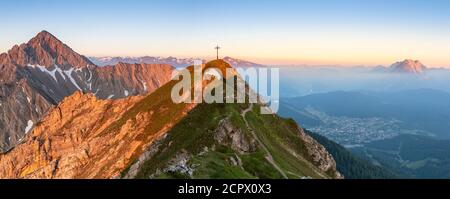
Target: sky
(315,32)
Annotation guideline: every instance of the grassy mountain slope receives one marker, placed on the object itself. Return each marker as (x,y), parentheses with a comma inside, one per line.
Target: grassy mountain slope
(217,141)
(233,141)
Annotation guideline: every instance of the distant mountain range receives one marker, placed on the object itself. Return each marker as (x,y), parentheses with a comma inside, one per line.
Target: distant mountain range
(176,62)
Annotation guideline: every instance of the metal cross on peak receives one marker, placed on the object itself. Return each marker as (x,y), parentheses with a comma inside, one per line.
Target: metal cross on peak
(217,49)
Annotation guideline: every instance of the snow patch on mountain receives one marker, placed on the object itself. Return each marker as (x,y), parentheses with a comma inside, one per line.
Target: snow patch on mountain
(51,73)
(29,126)
(69,75)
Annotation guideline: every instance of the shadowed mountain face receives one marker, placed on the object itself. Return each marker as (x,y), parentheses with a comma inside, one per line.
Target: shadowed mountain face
(152,137)
(37,75)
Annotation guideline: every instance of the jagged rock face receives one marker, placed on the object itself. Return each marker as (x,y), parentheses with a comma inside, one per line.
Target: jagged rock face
(110,82)
(19,111)
(85,137)
(408,66)
(67,138)
(319,154)
(39,74)
(228,134)
(123,80)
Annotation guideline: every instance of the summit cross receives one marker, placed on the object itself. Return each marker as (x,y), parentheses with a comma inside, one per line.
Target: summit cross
(217,51)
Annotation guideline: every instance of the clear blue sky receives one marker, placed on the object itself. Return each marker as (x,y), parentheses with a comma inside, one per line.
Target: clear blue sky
(313,32)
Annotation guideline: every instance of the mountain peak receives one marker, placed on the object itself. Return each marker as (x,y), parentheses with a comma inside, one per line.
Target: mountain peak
(45,36)
(46,50)
(44,33)
(218,63)
(408,66)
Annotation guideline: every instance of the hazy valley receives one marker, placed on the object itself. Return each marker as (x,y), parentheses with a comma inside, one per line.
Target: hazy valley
(366,109)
